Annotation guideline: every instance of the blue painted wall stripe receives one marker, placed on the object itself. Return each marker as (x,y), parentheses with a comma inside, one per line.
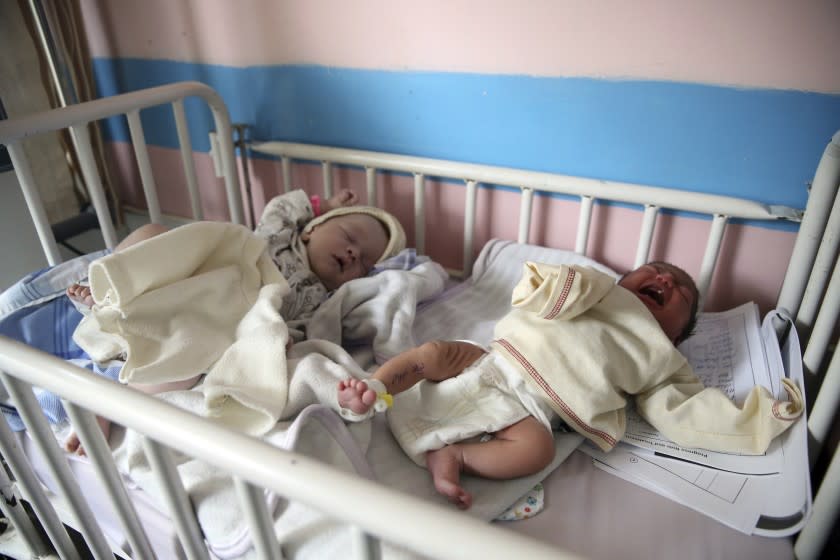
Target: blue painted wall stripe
(754,143)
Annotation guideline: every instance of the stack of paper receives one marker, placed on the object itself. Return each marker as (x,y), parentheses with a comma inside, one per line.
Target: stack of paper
(729,350)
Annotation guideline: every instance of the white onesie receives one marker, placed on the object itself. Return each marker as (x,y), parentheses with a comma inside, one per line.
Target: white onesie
(486,397)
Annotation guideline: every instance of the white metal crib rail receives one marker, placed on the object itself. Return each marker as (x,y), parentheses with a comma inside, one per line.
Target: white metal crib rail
(653,199)
(375,509)
(76,118)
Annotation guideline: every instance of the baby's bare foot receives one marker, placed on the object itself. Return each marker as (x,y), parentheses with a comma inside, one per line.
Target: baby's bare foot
(355,395)
(445,466)
(74,445)
(80,294)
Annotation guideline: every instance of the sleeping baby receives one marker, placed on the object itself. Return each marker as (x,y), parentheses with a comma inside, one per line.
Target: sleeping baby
(316,245)
(571,350)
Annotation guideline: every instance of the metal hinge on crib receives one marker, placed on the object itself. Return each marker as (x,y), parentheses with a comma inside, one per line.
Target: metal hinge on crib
(786,212)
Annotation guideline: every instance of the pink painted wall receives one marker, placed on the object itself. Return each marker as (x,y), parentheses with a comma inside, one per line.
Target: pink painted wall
(759,43)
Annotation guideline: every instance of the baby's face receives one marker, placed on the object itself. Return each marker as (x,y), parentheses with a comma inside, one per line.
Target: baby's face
(667,291)
(345,247)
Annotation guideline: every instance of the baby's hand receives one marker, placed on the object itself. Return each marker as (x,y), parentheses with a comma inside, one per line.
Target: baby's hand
(344,197)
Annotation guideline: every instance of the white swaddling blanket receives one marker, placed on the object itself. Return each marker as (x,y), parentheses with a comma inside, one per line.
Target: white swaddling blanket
(171,304)
(201,298)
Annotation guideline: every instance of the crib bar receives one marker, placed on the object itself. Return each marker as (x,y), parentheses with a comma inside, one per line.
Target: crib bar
(420,213)
(820,199)
(253,504)
(37,426)
(230,171)
(824,409)
(34,202)
(823,326)
(286,166)
(370,184)
(823,262)
(242,145)
(90,172)
(97,448)
(526,203)
(629,193)
(187,158)
(646,234)
(365,546)
(326,170)
(176,499)
(295,476)
(809,544)
(469,227)
(707,267)
(214,154)
(17,516)
(147,177)
(33,492)
(584,221)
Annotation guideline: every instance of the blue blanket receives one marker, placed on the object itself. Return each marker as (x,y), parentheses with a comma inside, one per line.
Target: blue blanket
(36,311)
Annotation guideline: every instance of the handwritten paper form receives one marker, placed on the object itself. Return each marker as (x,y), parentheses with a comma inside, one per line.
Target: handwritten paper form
(774,504)
(727,352)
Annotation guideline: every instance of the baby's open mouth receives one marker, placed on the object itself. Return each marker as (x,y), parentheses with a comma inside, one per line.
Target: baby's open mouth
(340,263)
(653,292)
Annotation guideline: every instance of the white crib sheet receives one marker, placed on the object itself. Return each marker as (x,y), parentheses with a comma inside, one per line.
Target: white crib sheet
(587,511)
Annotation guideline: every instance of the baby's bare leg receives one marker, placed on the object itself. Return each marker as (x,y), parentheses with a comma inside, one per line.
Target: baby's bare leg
(521,449)
(434,361)
(144,232)
(74,445)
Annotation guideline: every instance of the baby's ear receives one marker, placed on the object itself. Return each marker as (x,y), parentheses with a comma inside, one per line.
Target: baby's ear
(305,237)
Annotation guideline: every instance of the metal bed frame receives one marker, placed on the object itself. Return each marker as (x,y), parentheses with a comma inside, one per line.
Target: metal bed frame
(810,293)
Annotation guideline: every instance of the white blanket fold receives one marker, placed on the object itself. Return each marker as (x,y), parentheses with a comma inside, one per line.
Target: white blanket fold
(171,304)
(378,310)
(247,388)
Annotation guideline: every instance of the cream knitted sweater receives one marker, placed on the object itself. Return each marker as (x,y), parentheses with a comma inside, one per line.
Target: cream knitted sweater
(588,344)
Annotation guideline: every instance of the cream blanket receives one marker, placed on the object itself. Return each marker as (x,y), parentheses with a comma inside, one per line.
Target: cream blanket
(201,298)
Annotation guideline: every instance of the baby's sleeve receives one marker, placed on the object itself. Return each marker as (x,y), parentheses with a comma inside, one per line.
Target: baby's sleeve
(288,211)
(559,291)
(692,415)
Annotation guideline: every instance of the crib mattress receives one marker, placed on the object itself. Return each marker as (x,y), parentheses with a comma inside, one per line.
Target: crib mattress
(601,517)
